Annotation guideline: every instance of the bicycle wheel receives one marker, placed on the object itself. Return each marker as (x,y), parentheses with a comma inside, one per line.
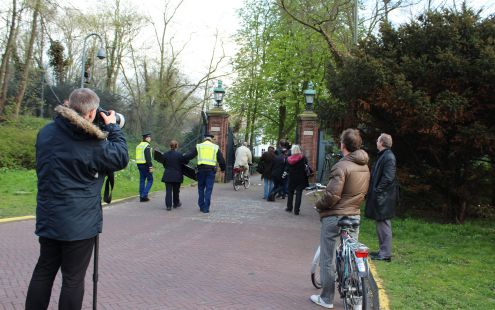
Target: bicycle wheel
(371,301)
(356,292)
(315,270)
(247,182)
(236,182)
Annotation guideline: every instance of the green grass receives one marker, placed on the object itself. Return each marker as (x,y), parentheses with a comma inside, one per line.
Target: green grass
(18,187)
(438,266)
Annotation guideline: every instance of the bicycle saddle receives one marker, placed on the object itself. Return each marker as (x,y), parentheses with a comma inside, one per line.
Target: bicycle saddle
(348,222)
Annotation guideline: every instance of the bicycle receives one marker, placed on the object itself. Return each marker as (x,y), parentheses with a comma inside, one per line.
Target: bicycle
(355,283)
(241,178)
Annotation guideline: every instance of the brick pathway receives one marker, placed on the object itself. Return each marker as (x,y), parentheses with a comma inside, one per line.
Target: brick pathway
(245,254)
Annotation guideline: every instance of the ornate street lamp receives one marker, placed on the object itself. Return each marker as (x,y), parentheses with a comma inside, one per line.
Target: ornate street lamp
(309,96)
(218,94)
(100,54)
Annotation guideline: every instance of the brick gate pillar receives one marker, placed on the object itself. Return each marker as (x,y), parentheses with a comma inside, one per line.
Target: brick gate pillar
(218,126)
(307,132)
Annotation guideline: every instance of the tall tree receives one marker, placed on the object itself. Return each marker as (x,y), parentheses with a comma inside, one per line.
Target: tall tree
(27,60)
(4,66)
(429,84)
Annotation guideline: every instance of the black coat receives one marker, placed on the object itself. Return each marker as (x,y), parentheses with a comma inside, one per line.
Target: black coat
(383,192)
(173,161)
(267,159)
(72,158)
(278,167)
(298,179)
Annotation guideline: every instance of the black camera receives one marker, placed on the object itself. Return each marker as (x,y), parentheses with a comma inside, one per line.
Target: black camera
(119,118)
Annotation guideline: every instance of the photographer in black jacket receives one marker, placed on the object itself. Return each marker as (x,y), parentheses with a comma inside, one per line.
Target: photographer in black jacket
(73,156)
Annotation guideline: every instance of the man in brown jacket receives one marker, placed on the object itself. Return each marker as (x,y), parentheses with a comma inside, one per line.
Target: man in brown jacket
(348,184)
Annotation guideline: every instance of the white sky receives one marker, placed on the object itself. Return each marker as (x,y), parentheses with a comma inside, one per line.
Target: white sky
(198,20)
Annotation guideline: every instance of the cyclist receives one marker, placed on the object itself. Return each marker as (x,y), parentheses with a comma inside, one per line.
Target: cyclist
(243,158)
(346,188)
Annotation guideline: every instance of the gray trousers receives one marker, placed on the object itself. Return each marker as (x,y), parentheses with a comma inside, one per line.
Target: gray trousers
(384,232)
(329,240)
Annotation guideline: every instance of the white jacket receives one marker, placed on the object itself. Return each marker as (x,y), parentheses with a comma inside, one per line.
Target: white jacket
(243,156)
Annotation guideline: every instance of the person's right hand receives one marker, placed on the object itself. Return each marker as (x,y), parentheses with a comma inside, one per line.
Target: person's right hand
(109,119)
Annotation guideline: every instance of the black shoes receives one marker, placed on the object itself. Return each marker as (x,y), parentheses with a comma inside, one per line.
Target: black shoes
(144,199)
(379,258)
(288,210)
(178,205)
(296,212)
(169,208)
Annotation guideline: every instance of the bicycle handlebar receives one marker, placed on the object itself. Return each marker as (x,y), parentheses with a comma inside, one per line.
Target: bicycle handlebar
(316,186)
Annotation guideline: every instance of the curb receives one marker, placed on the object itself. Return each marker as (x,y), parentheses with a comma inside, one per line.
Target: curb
(103,205)
(382,295)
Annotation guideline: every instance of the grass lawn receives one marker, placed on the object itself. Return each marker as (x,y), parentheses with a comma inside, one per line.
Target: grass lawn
(18,188)
(438,266)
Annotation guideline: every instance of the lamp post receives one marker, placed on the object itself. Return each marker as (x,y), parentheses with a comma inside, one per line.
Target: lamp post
(100,54)
(218,93)
(309,96)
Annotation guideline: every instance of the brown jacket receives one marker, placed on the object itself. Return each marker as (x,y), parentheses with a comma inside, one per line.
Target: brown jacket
(348,184)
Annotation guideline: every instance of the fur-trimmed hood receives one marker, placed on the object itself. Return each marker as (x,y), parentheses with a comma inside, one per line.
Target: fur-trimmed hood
(77,120)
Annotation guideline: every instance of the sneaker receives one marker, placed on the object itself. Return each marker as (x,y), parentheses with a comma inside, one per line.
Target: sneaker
(317,300)
(178,205)
(144,199)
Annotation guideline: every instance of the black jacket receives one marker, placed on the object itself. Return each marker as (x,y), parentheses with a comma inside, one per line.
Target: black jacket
(383,192)
(73,156)
(278,167)
(173,161)
(296,168)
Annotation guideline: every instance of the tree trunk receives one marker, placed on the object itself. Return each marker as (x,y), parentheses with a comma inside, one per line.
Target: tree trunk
(27,62)
(5,59)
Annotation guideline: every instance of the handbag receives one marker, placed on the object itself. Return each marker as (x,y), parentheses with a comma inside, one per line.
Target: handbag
(308,170)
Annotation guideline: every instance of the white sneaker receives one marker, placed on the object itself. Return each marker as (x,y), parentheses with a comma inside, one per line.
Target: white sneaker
(317,300)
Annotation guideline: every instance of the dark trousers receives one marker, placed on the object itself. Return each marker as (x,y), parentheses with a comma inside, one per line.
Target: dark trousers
(144,175)
(290,199)
(278,187)
(172,194)
(206,179)
(72,257)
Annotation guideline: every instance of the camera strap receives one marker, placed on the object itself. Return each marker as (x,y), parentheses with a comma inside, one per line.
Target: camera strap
(109,182)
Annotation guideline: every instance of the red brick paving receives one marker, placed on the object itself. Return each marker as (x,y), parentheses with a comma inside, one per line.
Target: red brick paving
(245,254)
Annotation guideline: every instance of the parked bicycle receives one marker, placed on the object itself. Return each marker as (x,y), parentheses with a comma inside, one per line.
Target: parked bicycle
(241,178)
(355,282)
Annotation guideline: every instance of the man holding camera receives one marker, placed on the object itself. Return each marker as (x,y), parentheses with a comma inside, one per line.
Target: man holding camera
(145,166)
(73,156)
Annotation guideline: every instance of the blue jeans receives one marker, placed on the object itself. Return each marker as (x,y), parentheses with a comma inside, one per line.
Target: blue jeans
(267,188)
(206,179)
(144,175)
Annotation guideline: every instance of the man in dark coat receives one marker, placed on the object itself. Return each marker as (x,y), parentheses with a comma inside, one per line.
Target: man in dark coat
(173,175)
(278,175)
(382,196)
(73,156)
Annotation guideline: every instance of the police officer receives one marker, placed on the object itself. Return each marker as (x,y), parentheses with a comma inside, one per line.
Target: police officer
(145,166)
(209,156)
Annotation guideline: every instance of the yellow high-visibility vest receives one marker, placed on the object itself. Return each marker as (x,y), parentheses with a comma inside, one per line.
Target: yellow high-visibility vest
(140,159)
(207,153)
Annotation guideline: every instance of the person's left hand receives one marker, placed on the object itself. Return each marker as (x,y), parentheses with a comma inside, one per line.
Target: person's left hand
(109,119)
